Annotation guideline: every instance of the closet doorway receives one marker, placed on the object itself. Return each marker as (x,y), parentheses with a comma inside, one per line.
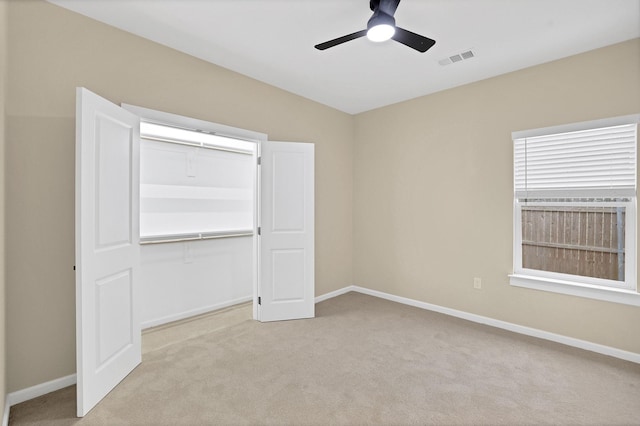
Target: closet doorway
(197,220)
(118,217)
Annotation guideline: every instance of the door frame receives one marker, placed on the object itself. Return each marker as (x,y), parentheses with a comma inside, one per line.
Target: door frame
(161,117)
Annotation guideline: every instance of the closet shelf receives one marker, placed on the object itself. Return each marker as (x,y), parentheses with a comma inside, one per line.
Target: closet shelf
(194,192)
(174,238)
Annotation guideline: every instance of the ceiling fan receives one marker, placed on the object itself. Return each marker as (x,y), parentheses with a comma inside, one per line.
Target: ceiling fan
(382,27)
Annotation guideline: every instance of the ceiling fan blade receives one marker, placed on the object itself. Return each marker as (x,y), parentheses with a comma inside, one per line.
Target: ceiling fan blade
(413,40)
(340,40)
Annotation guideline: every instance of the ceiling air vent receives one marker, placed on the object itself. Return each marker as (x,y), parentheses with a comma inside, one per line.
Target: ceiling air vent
(458,57)
(467,55)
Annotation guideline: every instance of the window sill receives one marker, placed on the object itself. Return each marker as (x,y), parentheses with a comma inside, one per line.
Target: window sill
(626,297)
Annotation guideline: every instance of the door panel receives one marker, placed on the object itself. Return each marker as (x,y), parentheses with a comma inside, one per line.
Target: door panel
(287,233)
(288,192)
(113,177)
(114,334)
(288,272)
(108,338)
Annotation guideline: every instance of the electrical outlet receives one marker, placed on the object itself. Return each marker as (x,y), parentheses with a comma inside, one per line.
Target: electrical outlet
(477,283)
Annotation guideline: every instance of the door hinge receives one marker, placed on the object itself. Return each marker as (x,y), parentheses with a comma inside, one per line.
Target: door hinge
(259,231)
(259,300)
(259,161)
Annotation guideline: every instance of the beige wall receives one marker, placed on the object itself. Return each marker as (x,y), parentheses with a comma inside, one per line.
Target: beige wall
(3,80)
(426,183)
(51,52)
(433,191)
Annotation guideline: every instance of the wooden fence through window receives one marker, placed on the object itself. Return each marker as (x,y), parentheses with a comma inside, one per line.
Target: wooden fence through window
(584,241)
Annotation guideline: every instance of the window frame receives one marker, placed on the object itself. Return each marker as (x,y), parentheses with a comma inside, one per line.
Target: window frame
(595,288)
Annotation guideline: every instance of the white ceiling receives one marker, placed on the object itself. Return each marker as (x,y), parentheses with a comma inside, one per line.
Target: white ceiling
(272,40)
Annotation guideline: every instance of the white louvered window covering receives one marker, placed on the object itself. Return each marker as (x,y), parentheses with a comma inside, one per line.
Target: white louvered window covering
(575,209)
(588,163)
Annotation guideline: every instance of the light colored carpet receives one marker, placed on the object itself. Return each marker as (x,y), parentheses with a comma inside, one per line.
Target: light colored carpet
(362,360)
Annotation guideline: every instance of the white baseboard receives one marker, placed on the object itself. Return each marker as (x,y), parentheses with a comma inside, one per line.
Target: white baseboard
(528,331)
(193,312)
(335,293)
(57,384)
(38,390)
(5,416)
(54,385)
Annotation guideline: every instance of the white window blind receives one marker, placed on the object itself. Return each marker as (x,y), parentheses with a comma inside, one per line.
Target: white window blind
(587,163)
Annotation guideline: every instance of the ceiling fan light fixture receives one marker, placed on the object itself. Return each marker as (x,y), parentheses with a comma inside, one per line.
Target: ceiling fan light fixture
(381,27)
(381,32)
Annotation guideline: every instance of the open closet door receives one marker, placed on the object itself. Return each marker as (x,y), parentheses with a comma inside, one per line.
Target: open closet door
(108,339)
(286,265)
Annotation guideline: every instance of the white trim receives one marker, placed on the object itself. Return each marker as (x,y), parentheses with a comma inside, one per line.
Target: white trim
(576,127)
(624,292)
(166,133)
(193,312)
(166,118)
(541,334)
(42,389)
(57,384)
(7,408)
(336,293)
(626,297)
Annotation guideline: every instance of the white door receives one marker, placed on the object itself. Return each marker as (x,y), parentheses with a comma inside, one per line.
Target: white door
(108,339)
(286,261)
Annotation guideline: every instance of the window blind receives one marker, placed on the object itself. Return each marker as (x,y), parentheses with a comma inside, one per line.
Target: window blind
(587,163)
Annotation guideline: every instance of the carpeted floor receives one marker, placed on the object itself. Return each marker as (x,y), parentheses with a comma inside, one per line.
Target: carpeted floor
(362,360)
